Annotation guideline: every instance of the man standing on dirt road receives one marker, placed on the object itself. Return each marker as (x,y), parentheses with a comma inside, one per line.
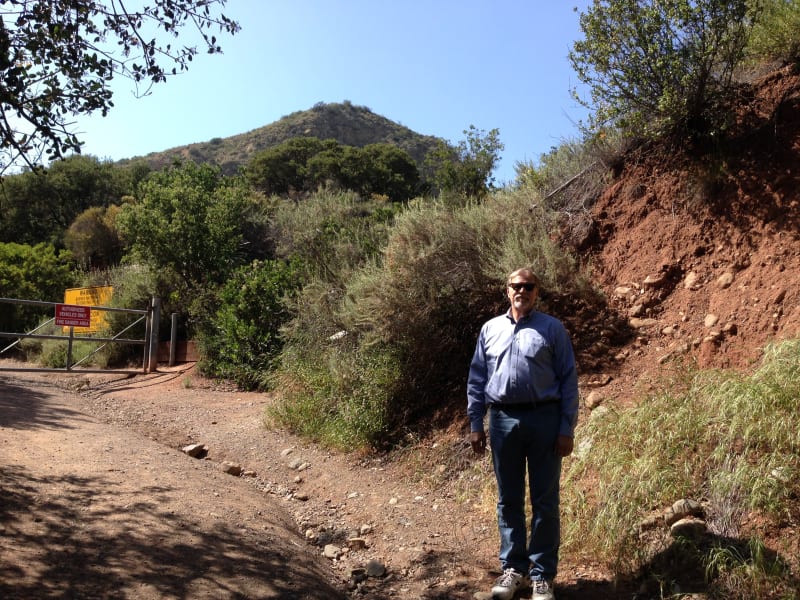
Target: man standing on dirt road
(523,372)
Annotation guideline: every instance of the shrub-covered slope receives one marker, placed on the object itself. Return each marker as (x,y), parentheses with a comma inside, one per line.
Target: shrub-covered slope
(345,122)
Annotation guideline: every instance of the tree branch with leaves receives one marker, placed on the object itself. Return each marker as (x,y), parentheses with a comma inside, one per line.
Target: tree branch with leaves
(658,67)
(59,57)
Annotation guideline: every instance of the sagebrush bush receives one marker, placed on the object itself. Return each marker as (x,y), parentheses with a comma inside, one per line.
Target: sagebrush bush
(331,232)
(134,287)
(440,274)
(53,353)
(337,394)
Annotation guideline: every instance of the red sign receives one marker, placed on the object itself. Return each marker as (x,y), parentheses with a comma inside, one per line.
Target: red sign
(73,315)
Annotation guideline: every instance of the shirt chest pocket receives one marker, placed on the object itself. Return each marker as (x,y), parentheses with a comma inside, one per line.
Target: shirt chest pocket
(531,344)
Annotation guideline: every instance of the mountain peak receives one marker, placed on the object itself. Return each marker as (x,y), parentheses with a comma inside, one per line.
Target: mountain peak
(345,122)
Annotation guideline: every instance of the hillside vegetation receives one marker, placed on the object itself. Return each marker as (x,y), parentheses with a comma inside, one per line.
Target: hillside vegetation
(666,239)
(348,124)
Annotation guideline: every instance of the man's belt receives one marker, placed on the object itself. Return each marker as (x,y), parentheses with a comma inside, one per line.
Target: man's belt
(522,405)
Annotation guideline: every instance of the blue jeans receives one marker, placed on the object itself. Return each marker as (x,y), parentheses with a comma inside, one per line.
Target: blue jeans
(521,437)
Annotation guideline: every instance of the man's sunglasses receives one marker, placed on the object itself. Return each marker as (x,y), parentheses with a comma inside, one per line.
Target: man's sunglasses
(518,287)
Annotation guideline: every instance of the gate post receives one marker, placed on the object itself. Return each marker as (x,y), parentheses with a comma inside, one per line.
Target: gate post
(155,311)
(69,347)
(173,338)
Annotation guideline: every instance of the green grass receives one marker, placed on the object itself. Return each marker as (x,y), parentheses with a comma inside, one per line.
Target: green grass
(727,439)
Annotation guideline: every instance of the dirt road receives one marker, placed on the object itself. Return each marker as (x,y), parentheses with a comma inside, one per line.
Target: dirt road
(94,510)
(97,500)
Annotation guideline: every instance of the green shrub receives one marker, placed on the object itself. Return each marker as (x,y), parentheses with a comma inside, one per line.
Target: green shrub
(242,338)
(51,353)
(189,220)
(31,273)
(335,395)
(776,33)
(465,171)
(93,238)
(300,165)
(331,232)
(661,68)
(134,287)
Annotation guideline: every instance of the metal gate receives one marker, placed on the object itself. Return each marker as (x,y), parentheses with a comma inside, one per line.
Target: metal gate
(149,342)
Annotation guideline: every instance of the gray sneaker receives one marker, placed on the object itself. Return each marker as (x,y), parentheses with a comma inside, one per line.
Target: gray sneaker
(542,590)
(508,584)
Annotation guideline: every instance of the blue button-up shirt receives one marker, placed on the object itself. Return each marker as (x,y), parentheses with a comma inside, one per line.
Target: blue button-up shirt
(523,362)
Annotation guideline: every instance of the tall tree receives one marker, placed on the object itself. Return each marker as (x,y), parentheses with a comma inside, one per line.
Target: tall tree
(58,58)
(93,238)
(38,206)
(188,220)
(661,66)
(466,170)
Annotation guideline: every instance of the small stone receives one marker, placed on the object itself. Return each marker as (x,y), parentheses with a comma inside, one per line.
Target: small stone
(195,450)
(639,323)
(599,412)
(231,468)
(593,400)
(637,310)
(687,507)
(358,574)
(622,291)
(710,320)
(331,551)
(599,380)
(356,543)
(653,281)
(365,529)
(375,568)
(781,474)
(302,496)
(725,280)
(690,527)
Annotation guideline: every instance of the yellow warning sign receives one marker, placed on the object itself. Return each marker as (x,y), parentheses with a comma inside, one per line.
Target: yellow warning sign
(90,296)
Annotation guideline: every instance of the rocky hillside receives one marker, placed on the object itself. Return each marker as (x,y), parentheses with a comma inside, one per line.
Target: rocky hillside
(345,122)
(701,255)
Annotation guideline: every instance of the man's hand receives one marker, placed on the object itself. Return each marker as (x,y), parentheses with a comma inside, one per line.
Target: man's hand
(478,441)
(564,445)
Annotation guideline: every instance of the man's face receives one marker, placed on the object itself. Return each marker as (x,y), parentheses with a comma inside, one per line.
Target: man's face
(522,293)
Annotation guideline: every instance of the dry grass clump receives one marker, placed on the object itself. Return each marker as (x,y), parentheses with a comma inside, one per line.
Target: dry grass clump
(728,440)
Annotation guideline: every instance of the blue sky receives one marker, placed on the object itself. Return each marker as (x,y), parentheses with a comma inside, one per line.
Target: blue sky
(435,66)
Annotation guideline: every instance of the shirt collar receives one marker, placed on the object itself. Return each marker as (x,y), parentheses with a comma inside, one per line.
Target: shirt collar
(525,318)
